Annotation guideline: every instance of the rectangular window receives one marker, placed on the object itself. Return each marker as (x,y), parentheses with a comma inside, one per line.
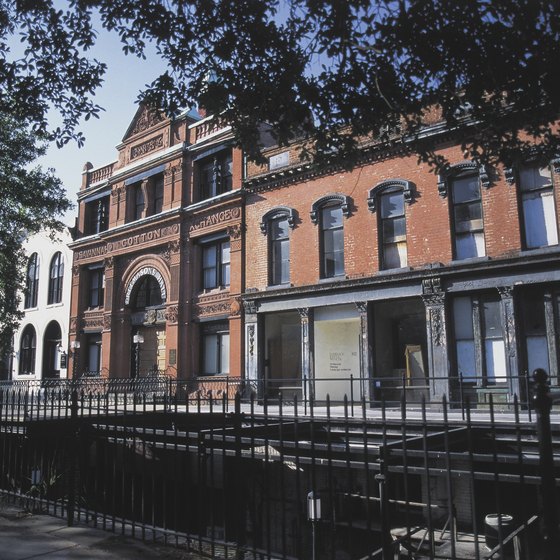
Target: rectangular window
(494,347)
(479,340)
(93,366)
(215,175)
(534,329)
(157,206)
(464,338)
(393,230)
(216,265)
(332,248)
(539,208)
(279,252)
(139,201)
(97,216)
(467,218)
(96,287)
(215,350)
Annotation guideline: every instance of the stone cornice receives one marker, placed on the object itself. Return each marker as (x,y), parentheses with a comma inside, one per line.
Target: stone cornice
(370,153)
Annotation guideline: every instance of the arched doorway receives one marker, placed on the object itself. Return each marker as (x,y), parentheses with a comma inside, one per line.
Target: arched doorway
(146,302)
(51,351)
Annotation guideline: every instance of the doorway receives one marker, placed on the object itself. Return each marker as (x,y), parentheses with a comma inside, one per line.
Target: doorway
(51,351)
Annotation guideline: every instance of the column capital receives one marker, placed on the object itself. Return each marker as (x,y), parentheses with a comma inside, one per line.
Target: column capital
(506,291)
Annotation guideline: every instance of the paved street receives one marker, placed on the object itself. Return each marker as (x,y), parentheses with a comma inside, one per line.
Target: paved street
(26,536)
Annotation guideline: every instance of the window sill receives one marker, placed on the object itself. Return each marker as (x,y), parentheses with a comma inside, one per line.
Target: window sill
(285,286)
(55,305)
(541,250)
(399,270)
(470,260)
(213,291)
(332,279)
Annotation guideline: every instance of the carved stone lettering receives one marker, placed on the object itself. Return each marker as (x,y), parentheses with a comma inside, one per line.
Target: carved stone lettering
(146,147)
(146,271)
(214,219)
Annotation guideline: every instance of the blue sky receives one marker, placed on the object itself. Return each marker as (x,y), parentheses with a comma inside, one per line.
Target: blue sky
(125,78)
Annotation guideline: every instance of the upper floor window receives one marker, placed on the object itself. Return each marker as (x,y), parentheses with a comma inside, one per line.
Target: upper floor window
(32,282)
(216,264)
(56,276)
(97,215)
(276,223)
(27,351)
(139,201)
(332,242)
(468,224)
(464,181)
(96,287)
(328,212)
(536,191)
(157,194)
(214,174)
(279,251)
(393,230)
(388,199)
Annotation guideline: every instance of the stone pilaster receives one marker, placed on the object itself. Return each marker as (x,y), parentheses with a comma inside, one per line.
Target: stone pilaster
(307,365)
(510,339)
(366,350)
(251,342)
(436,331)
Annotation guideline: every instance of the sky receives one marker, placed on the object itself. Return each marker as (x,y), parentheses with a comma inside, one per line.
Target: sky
(126,76)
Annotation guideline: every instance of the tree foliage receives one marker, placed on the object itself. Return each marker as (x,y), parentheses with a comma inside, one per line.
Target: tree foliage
(31,199)
(331,71)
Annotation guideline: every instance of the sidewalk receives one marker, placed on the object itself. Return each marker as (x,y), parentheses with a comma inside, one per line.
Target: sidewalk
(26,536)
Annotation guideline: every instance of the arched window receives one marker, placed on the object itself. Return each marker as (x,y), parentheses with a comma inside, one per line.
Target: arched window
(276,223)
(32,281)
(148,293)
(27,351)
(388,199)
(464,180)
(56,276)
(538,206)
(328,212)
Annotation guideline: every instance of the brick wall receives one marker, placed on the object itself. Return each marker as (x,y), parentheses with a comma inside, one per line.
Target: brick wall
(429,237)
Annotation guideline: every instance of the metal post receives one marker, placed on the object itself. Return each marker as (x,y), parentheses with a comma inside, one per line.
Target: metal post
(543,404)
(72,454)
(314,515)
(381,478)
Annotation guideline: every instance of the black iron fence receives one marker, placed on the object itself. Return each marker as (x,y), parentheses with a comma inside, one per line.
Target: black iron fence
(506,394)
(234,473)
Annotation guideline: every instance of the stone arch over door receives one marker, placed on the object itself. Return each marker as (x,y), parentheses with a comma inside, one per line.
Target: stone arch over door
(151,266)
(144,295)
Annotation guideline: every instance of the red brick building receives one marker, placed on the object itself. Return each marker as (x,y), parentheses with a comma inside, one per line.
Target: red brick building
(158,265)
(389,276)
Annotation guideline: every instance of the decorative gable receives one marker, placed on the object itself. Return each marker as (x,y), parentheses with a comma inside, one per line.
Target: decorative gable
(144,119)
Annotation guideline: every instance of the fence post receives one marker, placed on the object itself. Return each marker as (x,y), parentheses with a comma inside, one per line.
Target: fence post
(73,442)
(381,478)
(543,405)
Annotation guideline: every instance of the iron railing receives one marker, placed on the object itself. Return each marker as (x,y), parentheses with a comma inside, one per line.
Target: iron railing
(508,394)
(232,477)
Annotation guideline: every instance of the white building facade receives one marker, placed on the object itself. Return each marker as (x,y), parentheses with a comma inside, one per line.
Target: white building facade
(41,341)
